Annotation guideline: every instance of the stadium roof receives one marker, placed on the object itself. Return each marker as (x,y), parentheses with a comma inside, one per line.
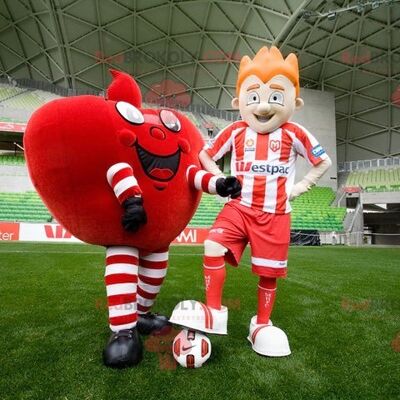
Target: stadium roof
(190,50)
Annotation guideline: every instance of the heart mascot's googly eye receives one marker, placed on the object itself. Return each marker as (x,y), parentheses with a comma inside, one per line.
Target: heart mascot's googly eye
(170,120)
(130,113)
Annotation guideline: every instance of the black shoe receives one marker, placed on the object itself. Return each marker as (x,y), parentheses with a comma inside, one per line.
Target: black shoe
(152,323)
(124,349)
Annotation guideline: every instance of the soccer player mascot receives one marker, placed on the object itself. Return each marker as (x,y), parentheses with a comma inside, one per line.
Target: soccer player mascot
(127,178)
(264,146)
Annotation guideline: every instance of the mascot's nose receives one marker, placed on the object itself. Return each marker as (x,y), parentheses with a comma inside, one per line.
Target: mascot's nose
(264,108)
(157,133)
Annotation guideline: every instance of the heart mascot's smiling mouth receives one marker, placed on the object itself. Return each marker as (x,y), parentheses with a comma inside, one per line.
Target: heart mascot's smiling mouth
(159,168)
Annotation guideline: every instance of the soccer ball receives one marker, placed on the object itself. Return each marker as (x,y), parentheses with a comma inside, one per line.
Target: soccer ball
(191,349)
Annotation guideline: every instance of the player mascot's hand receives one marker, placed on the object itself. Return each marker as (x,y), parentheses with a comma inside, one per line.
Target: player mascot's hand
(299,188)
(229,186)
(134,215)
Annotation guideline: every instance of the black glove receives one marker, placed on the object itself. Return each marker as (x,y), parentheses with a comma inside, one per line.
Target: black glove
(229,186)
(134,215)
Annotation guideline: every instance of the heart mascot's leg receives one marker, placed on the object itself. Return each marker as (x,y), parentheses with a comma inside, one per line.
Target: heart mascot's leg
(124,348)
(152,271)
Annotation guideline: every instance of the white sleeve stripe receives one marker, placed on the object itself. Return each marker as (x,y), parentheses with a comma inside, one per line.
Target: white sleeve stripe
(309,135)
(122,310)
(303,151)
(212,189)
(300,148)
(114,169)
(188,170)
(125,184)
(198,179)
(224,149)
(121,288)
(157,257)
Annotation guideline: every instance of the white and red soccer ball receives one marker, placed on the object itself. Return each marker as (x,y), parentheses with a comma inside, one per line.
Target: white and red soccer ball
(191,349)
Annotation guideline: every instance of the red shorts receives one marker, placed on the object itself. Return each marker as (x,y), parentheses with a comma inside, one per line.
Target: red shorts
(268,234)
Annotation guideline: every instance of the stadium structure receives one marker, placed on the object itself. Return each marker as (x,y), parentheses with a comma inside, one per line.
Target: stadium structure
(340,302)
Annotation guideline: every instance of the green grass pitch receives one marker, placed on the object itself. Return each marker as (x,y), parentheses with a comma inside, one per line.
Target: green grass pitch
(340,308)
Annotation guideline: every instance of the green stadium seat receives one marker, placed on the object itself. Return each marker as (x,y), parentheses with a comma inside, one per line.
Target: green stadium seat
(377,180)
(311,211)
(23,207)
(6,159)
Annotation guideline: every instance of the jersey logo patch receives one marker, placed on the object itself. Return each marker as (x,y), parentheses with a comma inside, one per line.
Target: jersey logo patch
(249,142)
(249,145)
(275,145)
(318,150)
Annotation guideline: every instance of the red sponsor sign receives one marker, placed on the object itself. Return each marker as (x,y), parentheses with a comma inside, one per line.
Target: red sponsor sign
(9,231)
(56,232)
(12,127)
(192,236)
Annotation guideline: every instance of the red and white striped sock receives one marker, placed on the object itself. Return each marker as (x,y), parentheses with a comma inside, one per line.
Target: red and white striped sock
(214,279)
(152,271)
(266,299)
(121,282)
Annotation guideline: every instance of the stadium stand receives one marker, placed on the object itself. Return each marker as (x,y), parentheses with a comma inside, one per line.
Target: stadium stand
(25,99)
(9,91)
(6,159)
(218,122)
(23,207)
(208,209)
(28,100)
(375,180)
(311,211)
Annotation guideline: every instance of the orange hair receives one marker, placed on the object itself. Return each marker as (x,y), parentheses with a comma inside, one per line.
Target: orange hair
(266,64)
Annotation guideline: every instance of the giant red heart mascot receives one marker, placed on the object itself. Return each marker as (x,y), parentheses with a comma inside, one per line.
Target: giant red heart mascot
(128,178)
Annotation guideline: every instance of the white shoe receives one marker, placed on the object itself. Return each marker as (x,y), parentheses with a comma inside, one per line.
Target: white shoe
(268,340)
(196,315)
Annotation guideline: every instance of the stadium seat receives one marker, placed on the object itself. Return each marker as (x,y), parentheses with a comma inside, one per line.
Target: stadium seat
(311,211)
(6,159)
(375,180)
(23,207)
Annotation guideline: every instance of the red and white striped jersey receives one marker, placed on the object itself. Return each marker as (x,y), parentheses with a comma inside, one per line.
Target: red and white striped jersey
(265,163)
(122,180)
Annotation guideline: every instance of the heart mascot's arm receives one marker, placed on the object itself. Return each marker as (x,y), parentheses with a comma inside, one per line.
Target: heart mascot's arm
(120,177)
(126,189)
(213,184)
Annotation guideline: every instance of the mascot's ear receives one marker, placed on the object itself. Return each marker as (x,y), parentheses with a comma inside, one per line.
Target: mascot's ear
(124,88)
